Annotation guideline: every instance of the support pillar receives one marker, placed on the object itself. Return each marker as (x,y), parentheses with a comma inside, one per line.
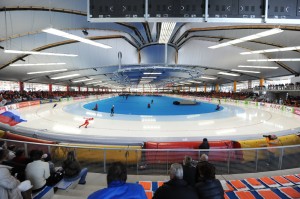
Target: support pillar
(234,86)
(50,88)
(21,85)
(68,88)
(196,88)
(261,82)
(204,88)
(217,88)
(78,88)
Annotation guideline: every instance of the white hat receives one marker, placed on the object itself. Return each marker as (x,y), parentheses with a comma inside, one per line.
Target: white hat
(25,185)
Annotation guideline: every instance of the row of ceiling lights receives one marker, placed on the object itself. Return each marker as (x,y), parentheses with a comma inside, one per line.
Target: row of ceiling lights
(166,31)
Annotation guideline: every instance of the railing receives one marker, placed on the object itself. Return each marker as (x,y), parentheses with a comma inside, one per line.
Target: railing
(157,162)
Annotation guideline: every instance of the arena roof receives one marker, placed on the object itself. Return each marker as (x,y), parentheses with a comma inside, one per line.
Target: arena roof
(135,49)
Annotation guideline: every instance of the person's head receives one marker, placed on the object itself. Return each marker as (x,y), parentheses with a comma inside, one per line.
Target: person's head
(20,152)
(204,139)
(35,155)
(176,171)
(3,155)
(206,171)
(46,157)
(2,144)
(203,158)
(71,156)
(116,172)
(187,161)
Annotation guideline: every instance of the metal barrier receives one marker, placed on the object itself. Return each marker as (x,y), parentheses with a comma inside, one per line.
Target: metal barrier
(157,162)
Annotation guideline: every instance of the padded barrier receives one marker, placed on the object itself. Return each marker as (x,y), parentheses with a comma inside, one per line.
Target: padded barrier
(158,157)
(12,136)
(91,154)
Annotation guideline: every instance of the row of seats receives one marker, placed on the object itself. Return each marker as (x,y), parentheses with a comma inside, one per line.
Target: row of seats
(287,186)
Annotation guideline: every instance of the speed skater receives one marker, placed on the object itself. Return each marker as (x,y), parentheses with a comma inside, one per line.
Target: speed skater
(86,123)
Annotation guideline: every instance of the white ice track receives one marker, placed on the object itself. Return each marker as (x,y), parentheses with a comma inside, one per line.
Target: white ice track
(45,121)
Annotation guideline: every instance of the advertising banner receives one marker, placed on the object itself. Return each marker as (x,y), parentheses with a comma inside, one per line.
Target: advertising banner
(45,101)
(288,109)
(297,111)
(3,109)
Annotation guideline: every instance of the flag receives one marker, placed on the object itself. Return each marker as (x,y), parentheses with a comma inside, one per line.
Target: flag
(10,118)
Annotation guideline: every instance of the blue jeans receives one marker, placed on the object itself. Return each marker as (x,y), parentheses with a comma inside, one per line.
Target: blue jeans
(81,175)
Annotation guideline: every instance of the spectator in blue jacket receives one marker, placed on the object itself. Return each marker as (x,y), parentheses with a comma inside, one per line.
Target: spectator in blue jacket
(117,186)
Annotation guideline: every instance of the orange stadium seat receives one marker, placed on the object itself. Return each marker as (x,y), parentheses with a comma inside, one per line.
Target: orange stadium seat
(267,193)
(149,194)
(147,185)
(268,181)
(293,179)
(244,195)
(290,192)
(239,185)
(282,181)
(254,183)
(160,183)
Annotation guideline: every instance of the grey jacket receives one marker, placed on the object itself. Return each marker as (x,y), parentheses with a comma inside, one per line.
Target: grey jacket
(8,184)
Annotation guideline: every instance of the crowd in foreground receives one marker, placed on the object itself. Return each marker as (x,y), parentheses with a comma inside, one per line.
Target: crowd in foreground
(186,180)
(37,171)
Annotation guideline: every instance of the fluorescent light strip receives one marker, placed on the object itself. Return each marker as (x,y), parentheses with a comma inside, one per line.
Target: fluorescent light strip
(39,64)
(39,53)
(148,77)
(271,50)
(248,38)
(152,73)
(245,71)
(166,31)
(262,67)
(83,80)
(47,71)
(267,60)
(194,81)
(205,77)
(229,74)
(93,82)
(74,37)
(65,76)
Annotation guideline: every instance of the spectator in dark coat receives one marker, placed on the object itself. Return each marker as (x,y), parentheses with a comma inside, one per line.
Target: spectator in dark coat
(204,145)
(208,187)
(72,169)
(189,171)
(176,187)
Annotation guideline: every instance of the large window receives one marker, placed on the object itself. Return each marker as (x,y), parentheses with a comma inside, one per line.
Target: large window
(9,86)
(59,88)
(35,87)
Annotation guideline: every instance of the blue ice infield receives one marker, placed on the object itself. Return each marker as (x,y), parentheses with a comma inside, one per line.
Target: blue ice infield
(162,106)
(135,109)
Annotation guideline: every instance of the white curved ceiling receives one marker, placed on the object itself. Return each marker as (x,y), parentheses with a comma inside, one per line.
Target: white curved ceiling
(22,22)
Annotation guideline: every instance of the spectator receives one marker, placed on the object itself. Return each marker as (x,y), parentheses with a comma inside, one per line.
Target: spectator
(37,171)
(8,183)
(208,187)
(11,154)
(204,145)
(19,164)
(72,169)
(117,186)
(20,157)
(176,187)
(189,171)
(47,158)
(2,101)
(55,176)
